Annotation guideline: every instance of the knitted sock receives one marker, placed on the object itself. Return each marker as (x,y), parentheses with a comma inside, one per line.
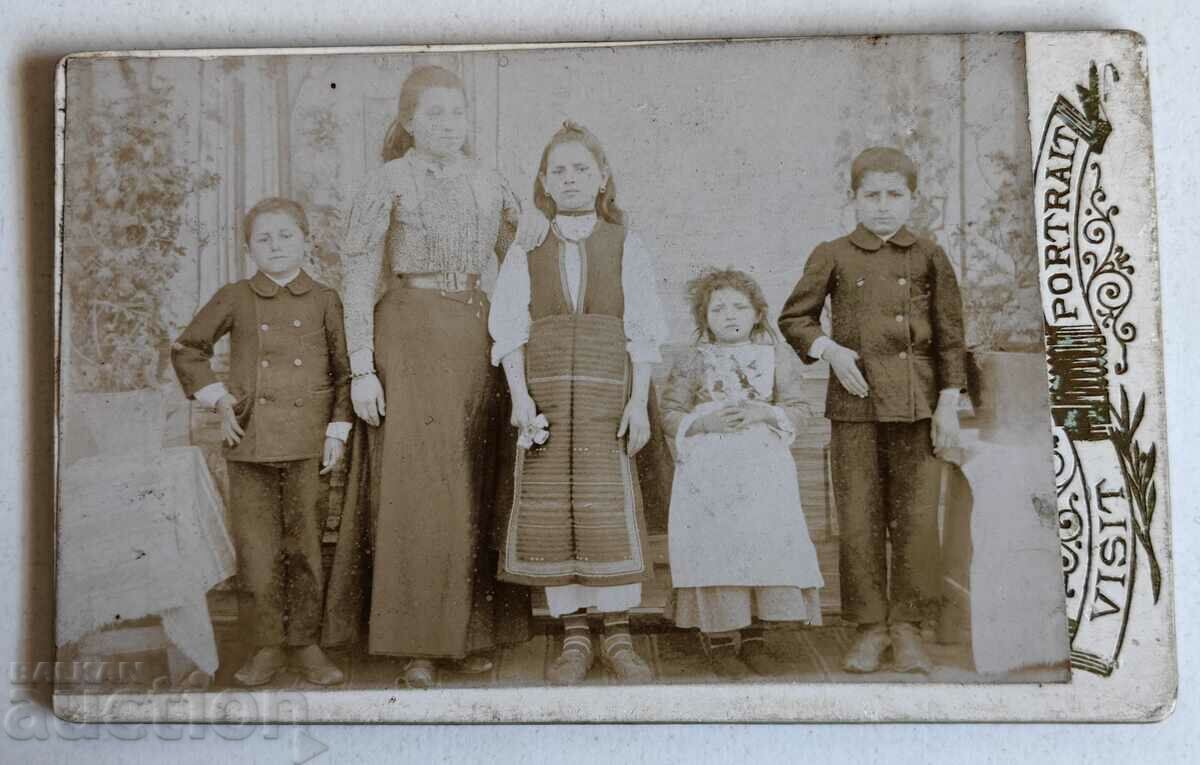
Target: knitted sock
(577,636)
(616,633)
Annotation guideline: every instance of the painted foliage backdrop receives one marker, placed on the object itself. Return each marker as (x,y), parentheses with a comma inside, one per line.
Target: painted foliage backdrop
(743,164)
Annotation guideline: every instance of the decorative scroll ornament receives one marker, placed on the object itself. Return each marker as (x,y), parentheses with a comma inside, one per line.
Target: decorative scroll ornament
(1104,479)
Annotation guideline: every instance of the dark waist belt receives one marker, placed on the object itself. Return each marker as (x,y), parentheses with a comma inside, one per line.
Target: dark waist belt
(446,281)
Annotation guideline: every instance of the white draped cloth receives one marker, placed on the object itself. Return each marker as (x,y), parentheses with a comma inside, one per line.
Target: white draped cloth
(142,535)
(1018,612)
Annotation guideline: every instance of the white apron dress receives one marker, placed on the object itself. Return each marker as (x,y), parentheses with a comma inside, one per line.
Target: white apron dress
(738,541)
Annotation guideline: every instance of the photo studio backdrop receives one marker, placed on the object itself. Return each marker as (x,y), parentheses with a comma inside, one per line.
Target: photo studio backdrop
(745,164)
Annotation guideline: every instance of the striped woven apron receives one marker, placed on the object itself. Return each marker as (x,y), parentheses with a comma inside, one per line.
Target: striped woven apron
(577,512)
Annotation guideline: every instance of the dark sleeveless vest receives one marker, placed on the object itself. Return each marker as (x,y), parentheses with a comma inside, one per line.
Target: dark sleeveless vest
(577,514)
(600,277)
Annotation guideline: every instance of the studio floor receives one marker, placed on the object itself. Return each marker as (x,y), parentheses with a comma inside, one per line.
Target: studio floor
(813,654)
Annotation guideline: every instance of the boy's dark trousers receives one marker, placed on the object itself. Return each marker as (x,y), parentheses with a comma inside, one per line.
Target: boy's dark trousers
(886,483)
(277,528)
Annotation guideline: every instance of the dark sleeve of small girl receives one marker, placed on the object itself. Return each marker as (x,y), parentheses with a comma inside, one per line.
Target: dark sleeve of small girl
(789,386)
(192,351)
(800,319)
(679,392)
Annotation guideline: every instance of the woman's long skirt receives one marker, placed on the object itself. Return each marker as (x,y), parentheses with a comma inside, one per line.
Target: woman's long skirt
(433,468)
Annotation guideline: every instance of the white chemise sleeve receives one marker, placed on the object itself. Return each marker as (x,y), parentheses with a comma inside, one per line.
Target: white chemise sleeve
(508,319)
(645,323)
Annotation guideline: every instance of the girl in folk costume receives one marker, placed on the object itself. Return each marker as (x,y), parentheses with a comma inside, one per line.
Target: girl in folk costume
(739,546)
(577,325)
(430,222)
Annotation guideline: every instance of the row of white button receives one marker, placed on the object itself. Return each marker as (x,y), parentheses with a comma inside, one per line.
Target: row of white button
(265,327)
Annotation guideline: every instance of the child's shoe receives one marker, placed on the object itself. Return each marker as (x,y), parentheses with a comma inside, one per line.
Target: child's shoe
(418,673)
(619,656)
(864,656)
(474,665)
(756,655)
(570,667)
(722,654)
(908,652)
(577,656)
(316,667)
(262,666)
(628,666)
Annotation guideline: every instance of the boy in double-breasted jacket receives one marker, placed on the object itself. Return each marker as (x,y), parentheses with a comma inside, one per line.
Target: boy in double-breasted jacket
(896,350)
(286,415)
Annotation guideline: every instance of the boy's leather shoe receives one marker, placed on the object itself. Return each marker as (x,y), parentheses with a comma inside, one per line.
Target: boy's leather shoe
(262,666)
(316,667)
(864,656)
(908,651)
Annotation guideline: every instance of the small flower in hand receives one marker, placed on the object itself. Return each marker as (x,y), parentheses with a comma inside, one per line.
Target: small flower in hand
(536,432)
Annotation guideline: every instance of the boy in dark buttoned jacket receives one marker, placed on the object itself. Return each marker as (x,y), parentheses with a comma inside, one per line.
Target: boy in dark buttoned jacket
(897,352)
(285,418)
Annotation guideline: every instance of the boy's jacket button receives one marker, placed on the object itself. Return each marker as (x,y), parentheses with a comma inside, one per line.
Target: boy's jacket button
(262,400)
(265,363)
(265,327)
(299,402)
(296,323)
(298,362)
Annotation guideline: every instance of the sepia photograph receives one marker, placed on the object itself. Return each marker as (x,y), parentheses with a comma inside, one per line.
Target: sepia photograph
(708,363)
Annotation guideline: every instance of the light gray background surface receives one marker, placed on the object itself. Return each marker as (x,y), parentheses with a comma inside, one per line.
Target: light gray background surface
(33,35)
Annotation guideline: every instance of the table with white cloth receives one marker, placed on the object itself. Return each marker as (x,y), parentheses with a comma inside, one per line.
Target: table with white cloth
(142,535)
(1001,526)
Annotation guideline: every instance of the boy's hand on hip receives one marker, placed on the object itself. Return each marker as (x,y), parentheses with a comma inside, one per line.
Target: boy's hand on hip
(334,449)
(944,428)
(636,422)
(231,431)
(844,363)
(366,393)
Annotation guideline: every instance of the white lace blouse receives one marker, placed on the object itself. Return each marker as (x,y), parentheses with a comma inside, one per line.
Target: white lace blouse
(413,215)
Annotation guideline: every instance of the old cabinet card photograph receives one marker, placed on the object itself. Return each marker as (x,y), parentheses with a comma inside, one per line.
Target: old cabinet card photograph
(625,382)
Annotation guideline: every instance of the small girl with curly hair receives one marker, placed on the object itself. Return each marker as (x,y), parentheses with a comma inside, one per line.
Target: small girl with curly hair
(739,545)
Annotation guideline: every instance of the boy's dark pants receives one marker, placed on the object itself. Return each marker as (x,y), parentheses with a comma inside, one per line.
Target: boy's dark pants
(886,483)
(277,532)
